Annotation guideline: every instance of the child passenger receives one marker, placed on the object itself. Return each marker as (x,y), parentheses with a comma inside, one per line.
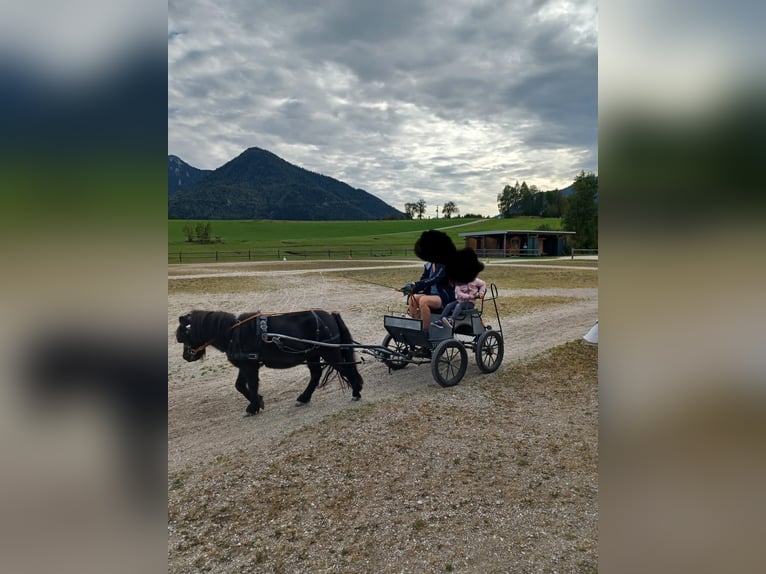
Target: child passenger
(465,295)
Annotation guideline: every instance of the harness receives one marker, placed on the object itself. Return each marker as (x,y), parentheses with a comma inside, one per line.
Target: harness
(321,335)
(282,342)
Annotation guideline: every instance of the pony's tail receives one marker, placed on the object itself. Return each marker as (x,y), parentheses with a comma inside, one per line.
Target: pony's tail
(348,357)
(345,339)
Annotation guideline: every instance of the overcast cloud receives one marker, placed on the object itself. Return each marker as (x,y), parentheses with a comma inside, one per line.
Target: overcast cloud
(444,100)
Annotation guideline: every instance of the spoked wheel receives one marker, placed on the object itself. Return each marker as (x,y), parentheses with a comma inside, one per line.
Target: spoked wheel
(489,351)
(449,362)
(395,362)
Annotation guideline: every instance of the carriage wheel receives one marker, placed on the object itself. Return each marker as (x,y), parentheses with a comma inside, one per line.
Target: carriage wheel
(395,362)
(489,351)
(449,362)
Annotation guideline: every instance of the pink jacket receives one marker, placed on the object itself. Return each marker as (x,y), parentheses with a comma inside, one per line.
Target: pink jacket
(463,291)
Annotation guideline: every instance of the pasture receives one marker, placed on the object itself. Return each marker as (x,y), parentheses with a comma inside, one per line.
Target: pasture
(264,238)
(496,474)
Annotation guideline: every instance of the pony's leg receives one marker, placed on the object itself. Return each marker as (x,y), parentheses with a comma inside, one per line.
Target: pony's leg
(247,384)
(315,369)
(241,385)
(351,373)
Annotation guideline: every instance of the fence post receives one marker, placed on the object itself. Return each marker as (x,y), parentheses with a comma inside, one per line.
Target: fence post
(216,255)
(180,257)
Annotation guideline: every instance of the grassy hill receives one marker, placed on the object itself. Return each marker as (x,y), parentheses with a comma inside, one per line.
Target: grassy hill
(264,238)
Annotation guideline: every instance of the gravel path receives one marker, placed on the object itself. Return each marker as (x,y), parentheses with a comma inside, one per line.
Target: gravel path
(205,425)
(204,406)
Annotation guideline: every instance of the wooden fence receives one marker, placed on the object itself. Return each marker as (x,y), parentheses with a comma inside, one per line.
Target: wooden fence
(287,254)
(500,253)
(327,254)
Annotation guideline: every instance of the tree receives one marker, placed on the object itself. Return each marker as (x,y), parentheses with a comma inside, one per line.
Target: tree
(410,209)
(199,232)
(420,208)
(553,203)
(508,200)
(581,211)
(449,208)
(520,199)
(537,203)
(526,204)
(203,232)
(188,232)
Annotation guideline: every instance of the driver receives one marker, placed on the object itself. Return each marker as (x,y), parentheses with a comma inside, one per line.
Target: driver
(431,293)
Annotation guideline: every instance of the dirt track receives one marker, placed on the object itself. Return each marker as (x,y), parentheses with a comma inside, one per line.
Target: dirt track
(496,474)
(204,417)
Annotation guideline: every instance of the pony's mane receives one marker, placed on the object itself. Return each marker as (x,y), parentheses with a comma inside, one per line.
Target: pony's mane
(206,325)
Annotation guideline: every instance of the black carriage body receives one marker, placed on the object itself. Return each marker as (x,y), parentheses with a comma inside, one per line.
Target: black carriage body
(445,347)
(410,331)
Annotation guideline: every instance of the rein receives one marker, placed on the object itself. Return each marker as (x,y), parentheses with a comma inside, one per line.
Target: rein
(371,283)
(234,326)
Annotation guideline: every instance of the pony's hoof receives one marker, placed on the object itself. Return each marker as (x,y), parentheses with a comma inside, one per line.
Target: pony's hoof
(301,403)
(356,398)
(248,415)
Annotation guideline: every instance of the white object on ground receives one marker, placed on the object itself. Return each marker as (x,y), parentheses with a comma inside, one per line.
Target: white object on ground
(591,337)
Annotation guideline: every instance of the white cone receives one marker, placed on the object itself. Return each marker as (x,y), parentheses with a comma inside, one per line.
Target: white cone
(591,337)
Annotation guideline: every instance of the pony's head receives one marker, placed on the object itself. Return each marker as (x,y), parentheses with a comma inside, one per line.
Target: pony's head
(184,336)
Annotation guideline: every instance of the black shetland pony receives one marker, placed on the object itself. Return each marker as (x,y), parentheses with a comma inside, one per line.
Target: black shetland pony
(254,339)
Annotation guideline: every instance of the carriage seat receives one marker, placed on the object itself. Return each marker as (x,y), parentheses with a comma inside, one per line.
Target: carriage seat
(469,322)
(468,313)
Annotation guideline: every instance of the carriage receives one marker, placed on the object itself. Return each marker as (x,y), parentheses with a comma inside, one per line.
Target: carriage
(445,348)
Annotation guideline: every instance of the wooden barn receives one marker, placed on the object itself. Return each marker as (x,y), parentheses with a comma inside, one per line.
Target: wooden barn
(518,243)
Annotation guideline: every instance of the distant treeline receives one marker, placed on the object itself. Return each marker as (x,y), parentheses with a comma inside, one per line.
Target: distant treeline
(576,206)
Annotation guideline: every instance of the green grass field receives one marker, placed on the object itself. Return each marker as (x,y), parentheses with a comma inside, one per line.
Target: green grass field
(504,276)
(265,239)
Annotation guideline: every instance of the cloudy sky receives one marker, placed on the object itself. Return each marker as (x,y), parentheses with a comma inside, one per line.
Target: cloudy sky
(444,100)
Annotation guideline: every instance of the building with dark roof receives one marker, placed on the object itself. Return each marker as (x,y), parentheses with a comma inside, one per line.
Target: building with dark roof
(518,242)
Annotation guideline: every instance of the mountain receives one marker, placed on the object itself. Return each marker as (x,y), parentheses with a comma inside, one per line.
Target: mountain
(181,174)
(260,185)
